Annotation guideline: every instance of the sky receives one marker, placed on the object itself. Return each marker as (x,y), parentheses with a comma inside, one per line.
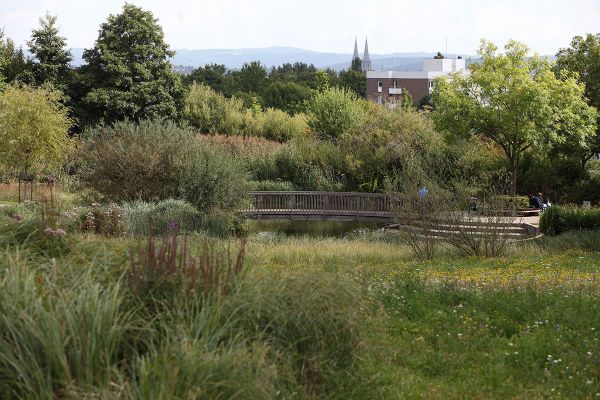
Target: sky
(325,25)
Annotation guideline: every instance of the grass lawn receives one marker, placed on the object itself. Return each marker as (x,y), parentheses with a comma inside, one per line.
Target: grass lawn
(522,326)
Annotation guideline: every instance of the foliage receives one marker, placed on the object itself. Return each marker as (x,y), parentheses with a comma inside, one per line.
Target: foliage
(211,75)
(128,70)
(105,220)
(33,130)
(48,49)
(334,111)
(355,81)
(158,271)
(130,161)
(514,100)
(391,144)
(290,97)
(159,218)
(35,236)
(556,220)
(210,112)
(211,180)
(252,77)
(279,126)
(298,72)
(583,58)
(14,67)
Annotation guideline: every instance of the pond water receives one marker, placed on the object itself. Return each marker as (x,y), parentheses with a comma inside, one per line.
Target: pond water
(337,229)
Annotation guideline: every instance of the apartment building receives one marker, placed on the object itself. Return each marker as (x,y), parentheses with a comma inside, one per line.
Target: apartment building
(384,86)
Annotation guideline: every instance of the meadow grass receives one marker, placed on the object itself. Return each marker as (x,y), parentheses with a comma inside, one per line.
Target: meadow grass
(358,317)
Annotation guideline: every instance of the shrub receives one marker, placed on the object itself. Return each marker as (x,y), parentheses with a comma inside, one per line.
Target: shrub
(160,216)
(277,186)
(106,220)
(279,126)
(129,161)
(510,202)
(212,180)
(211,112)
(334,111)
(556,220)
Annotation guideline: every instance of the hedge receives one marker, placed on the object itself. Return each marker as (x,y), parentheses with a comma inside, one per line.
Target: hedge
(556,220)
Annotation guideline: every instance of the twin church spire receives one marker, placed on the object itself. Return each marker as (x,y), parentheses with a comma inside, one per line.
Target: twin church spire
(366,60)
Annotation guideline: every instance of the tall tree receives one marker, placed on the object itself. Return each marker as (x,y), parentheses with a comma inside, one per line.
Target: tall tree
(211,75)
(516,101)
(252,77)
(355,81)
(128,70)
(583,57)
(290,97)
(51,58)
(14,67)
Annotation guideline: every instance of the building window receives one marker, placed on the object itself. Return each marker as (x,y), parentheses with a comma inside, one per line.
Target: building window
(379,86)
(395,84)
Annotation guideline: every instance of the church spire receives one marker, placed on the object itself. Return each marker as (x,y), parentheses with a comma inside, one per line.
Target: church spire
(366,61)
(355,56)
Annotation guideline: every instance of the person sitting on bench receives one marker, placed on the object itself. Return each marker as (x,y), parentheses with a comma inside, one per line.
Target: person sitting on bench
(536,202)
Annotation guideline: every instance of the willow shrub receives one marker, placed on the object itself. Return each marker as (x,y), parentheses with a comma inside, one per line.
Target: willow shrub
(155,160)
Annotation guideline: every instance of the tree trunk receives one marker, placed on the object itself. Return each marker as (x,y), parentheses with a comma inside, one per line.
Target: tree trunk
(513,176)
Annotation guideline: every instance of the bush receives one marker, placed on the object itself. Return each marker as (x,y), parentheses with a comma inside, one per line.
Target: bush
(279,126)
(335,111)
(106,220)
(556,220)
(211,112)
(161,217)
(506,202)
(275,186)
(156,161)
(131,161)
(212,180)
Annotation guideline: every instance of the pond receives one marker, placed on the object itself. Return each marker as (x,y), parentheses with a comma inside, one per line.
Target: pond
(337,229)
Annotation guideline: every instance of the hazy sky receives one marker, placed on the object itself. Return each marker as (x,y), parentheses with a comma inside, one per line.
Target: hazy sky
(325,25)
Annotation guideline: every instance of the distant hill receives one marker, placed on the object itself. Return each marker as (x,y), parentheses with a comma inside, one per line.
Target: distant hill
(274,56)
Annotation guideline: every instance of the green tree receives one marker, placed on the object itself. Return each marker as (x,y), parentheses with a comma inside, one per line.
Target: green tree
(301,73)
(34,129)
(356,65)
(211,112)
(355,81)
(51,58)
(252,77)
(334,111)
(516,101)
(583,57)
(128,70)
(14,67)
(321,79)
(212,75)
(287,96)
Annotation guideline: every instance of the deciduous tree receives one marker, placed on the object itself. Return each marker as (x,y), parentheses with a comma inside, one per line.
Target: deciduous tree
(34,129)
(516,101)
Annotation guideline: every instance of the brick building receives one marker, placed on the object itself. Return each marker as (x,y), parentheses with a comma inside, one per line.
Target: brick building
(384,86)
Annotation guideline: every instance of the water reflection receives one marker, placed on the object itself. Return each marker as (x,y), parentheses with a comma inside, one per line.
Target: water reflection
(337,229)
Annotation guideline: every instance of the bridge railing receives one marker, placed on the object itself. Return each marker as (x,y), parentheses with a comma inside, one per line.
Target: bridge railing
(343,202)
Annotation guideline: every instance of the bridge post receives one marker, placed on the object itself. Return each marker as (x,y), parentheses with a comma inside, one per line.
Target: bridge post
(292,204)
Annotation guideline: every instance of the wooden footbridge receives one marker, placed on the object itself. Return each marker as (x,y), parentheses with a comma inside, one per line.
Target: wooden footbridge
(322,206)
(354,206)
